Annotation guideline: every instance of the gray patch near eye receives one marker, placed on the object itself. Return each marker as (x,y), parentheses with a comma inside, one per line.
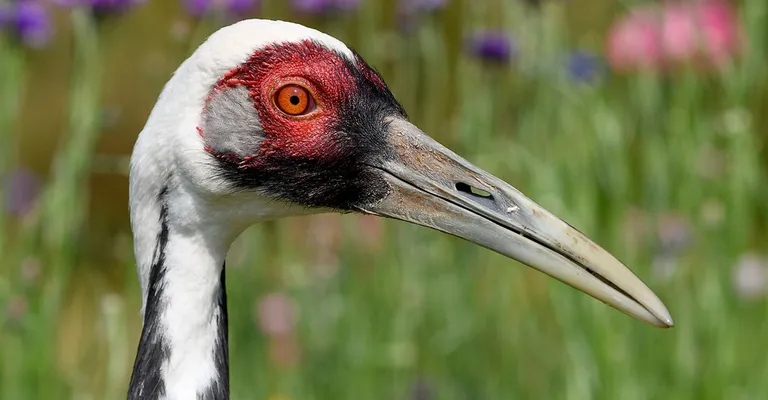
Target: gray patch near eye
(231,123)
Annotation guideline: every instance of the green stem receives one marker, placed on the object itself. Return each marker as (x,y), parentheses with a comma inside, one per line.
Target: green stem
(11,91)
(65,201)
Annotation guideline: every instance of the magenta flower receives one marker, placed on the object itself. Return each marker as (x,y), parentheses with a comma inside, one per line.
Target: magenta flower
(27,20)
(721,30)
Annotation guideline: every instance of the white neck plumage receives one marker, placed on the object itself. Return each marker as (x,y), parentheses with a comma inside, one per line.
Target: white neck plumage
(181,238)
(183,352)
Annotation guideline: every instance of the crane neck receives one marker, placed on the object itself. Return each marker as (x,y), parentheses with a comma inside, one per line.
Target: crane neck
(183,350)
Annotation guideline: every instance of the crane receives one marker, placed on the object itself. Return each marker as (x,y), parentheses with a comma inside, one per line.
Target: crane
(268,119)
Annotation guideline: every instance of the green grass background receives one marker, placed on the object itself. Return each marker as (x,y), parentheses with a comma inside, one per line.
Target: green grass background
(386,310)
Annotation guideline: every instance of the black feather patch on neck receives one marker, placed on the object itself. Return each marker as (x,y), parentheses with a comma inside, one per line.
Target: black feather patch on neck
(154,350)
(147,380)
(219,389)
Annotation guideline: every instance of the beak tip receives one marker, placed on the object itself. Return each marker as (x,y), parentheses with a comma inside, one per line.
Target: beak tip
(664,324)
(668,322)
(663,318)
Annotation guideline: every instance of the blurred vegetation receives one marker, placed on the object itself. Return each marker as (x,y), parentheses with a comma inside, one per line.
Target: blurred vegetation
(665,170)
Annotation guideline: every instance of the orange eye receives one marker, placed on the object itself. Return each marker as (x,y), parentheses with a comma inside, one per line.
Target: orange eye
(294,100)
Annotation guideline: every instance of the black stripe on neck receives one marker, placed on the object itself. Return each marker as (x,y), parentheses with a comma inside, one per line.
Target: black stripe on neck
(147,381)
(219,389)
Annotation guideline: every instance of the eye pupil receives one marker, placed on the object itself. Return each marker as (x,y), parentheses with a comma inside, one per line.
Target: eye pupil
(294,100)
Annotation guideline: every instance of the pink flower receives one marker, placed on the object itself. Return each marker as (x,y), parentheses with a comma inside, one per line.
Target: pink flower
(678,33)
(30,270)
(721,30)
(702,32)
(371,231)
(750,276)
(634,41)
(16,309)
(276,314)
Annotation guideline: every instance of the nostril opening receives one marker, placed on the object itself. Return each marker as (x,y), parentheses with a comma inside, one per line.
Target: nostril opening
(463,187)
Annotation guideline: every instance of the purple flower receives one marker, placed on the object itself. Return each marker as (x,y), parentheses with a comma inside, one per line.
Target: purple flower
(28,20)
(102,7)
(21,189)
(241,7)
(199,8)
(491,46)
(344,5)
(5,16)
(422,390)
(409,12)
(421,6)
(324,6)
(674,232)
(309,6)
(583,66)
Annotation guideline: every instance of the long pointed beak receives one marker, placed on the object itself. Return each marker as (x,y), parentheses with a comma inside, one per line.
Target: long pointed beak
(433,187)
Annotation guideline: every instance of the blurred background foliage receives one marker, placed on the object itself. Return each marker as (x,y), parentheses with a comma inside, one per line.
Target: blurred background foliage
(643,123)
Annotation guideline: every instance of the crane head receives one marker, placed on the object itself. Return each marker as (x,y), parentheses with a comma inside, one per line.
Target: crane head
(273,112)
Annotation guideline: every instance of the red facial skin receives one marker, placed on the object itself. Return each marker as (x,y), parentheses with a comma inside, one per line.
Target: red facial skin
(325,76)
(321,158)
